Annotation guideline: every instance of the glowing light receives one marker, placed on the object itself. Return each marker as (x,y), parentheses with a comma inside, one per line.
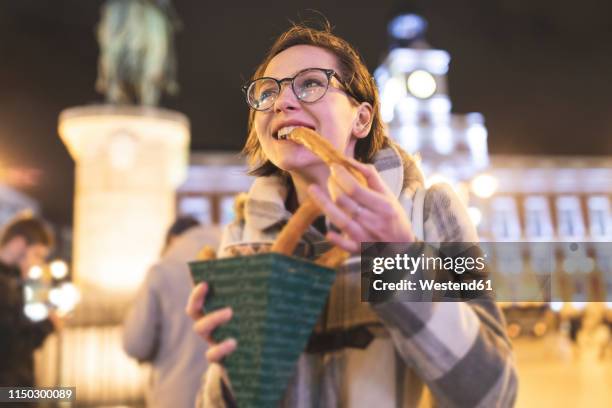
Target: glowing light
(392,93)
(406,111)
(484,186)
(539,329)
(587,265)
(556,306)
(35,272)
(28,293)
(410,138)
(569,265)
(440,105)
(609,305)
(59,269)
(114,210)
(475,215)
(122,150)
(579,305)
(443,139)
(407,26)
(514,330)
(104,369)
(65,298)
(421,84)
(55,296)
(476,135)
(36,311)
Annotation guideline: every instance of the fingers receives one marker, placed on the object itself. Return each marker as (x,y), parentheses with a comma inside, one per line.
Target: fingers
(336,215)
(217,352)
(365,196)
(371,174)
(368,220)
(196,301)
(206,324)
(343,242)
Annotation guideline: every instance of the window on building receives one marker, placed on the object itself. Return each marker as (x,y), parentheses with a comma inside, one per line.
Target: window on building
(197,206)
(599,217)
(538,222)
(505,220)
(570,219)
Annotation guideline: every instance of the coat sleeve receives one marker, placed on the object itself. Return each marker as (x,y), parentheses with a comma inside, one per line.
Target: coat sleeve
(36,332)
(13,322)
(142,325)
(459,349)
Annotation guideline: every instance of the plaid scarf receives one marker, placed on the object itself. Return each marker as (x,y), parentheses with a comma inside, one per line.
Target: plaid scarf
(459,350)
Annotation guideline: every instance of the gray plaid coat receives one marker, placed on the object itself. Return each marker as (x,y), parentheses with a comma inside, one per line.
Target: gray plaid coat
(452,354)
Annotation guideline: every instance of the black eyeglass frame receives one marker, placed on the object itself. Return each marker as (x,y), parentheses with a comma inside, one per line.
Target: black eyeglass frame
(279,82)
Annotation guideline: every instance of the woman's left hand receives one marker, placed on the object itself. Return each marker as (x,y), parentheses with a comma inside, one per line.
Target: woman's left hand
(363,214)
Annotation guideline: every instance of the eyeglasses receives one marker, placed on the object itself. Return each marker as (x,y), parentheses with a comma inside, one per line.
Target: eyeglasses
(308,85)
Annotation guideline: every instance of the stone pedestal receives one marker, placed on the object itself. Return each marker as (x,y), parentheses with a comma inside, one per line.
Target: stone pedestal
(129,163)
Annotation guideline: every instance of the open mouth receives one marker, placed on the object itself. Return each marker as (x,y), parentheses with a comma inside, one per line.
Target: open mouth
(284,131)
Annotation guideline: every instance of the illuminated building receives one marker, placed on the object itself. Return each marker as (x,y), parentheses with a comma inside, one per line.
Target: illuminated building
(416,106)
(129,163)
(510,198)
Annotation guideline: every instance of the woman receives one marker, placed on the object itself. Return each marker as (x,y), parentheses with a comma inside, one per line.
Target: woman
(360,355)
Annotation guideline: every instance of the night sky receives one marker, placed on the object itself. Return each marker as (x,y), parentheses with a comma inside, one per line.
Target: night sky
(539,70)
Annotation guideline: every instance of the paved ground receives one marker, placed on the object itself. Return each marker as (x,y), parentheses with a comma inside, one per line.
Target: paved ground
(555,373)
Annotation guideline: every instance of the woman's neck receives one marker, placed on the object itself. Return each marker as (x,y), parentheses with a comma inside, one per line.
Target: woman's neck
(316,174)
(302,181)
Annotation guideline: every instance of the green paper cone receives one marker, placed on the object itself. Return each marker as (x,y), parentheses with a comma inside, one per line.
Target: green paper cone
(276,301)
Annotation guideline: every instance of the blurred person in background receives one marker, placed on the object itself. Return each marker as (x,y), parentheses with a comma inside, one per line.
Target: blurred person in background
(179,226)
(24,242)
(156,329)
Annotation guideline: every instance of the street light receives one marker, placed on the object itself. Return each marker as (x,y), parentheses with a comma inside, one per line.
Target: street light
(59,269)
(35,272)
(65,298)
(36,311)
(475,215)
(484,185)
(421,84)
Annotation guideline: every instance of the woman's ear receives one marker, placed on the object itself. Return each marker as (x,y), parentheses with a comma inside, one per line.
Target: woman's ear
(363,120)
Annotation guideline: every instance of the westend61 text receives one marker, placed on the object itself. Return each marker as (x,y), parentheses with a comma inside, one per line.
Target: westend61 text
(428,285)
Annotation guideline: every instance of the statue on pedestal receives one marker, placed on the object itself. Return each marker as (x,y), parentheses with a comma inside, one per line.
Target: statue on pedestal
(137,59)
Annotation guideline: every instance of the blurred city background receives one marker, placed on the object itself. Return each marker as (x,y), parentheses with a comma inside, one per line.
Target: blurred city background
(509,101)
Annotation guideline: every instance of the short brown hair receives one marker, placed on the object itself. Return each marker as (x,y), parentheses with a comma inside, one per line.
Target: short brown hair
(33,230)
(355,76)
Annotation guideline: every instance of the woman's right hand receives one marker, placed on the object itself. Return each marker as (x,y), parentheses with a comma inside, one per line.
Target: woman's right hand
(206,323)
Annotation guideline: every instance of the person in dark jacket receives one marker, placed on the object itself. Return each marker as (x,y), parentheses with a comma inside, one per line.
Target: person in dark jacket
(25,242)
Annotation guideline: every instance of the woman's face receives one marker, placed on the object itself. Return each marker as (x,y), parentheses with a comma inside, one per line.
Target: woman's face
(334,116)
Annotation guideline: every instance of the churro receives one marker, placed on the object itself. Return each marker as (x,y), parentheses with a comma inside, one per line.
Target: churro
(206,253)
(324,150)
(305,215)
